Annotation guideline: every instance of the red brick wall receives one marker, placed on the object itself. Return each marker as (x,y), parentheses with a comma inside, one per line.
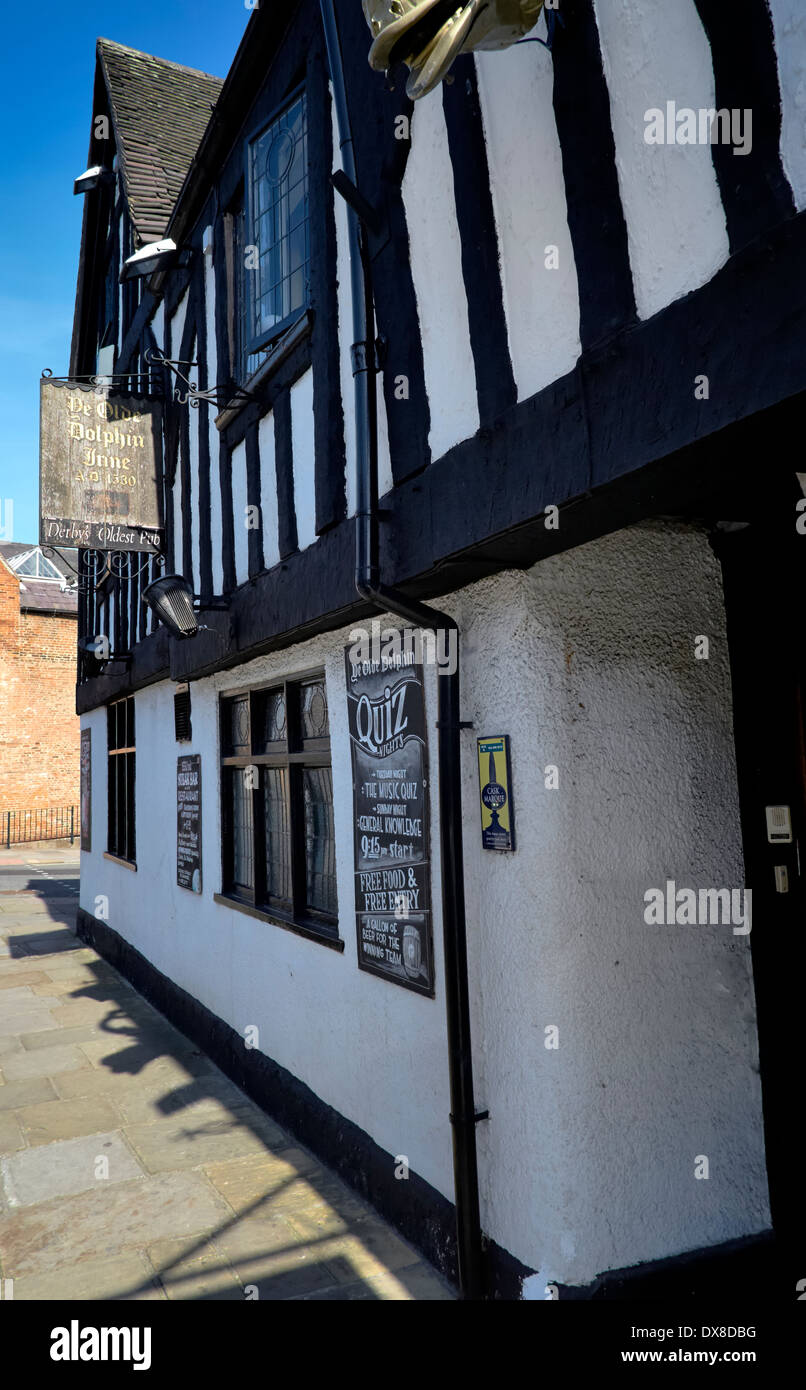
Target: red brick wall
(39,727)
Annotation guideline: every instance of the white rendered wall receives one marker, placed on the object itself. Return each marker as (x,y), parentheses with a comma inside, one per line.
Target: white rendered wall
(653,53)
(239,505)
(216,518)
(177,328)
(345,325)
(158,325)
(121,258)
(268,491)
(435,252)
(177,324)
(303,453)
(195,519)
(789,24)
(528,190)
(178,521)
(588,1160)
(345,314)
(158,329)
(375,1052)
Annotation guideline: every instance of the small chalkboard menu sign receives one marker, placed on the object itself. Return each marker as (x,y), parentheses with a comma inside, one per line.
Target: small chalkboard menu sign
(188,822)
(386,716)
(86,789)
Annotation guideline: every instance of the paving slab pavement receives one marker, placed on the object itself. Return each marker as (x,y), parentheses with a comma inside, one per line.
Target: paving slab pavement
(131,1168)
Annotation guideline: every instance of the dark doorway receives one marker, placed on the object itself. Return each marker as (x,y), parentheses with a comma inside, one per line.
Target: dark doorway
(764,566)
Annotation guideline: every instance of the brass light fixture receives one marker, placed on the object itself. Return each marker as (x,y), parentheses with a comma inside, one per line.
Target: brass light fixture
(428,35)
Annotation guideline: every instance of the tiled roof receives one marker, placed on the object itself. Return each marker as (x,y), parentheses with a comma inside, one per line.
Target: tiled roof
(159,111)
(45,596)
(11,549)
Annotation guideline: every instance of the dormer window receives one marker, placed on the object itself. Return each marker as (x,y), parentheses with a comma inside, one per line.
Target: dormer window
(276,251)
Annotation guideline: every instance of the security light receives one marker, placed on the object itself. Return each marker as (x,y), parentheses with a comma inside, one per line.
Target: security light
(155,255)
(91,178)
(171,598)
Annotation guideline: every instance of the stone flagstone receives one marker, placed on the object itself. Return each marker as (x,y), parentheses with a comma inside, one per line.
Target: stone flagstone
(64,1168)
(206,1198)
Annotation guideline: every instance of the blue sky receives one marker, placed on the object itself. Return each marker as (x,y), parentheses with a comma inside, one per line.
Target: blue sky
(47,68)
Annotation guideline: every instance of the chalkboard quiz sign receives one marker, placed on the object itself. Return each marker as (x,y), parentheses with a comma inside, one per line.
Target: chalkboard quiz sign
(386,714)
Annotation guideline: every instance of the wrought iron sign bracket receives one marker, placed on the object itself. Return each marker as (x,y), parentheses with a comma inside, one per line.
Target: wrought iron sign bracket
(192,395)
(113,568)
(101,382)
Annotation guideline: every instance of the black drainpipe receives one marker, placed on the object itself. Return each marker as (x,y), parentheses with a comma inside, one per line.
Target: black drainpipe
(368,583)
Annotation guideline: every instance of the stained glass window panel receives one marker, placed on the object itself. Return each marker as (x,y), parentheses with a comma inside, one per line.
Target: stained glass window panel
(315,722)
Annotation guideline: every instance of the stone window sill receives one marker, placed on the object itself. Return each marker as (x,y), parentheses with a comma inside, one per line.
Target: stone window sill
(124,863)
(287,923)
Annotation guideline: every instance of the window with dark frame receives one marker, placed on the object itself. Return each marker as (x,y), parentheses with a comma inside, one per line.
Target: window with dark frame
(120,778)
(273,259)
(279,851)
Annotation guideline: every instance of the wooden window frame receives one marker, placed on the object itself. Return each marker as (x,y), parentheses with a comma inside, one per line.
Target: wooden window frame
(263,342)
(295,755)
(122,847)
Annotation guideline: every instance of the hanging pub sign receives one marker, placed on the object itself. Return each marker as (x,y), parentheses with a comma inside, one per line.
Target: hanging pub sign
(86,789)
(99,466)
(495,796)
(188,821)
(386,717)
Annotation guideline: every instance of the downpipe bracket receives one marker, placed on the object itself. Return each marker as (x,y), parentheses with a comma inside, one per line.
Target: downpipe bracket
(360,354)
(364,210)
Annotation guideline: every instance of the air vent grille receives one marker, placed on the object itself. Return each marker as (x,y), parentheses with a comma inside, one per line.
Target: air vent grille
(182,714)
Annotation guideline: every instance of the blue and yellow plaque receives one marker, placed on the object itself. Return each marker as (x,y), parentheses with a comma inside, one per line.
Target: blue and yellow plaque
(495,797)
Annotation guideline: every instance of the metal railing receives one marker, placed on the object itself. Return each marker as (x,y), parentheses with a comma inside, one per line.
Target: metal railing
(46,823)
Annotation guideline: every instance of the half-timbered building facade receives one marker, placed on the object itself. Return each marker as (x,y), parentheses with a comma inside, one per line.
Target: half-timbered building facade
(590,327)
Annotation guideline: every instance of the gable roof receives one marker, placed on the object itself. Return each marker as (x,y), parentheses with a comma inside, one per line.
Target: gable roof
(160,110)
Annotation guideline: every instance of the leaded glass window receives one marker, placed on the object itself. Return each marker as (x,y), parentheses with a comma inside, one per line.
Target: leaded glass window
(121,757)
(279,850)
(320,867)
(276,250)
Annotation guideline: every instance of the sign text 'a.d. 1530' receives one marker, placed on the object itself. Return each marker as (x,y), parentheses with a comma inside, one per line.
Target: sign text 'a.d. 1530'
(99,468)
